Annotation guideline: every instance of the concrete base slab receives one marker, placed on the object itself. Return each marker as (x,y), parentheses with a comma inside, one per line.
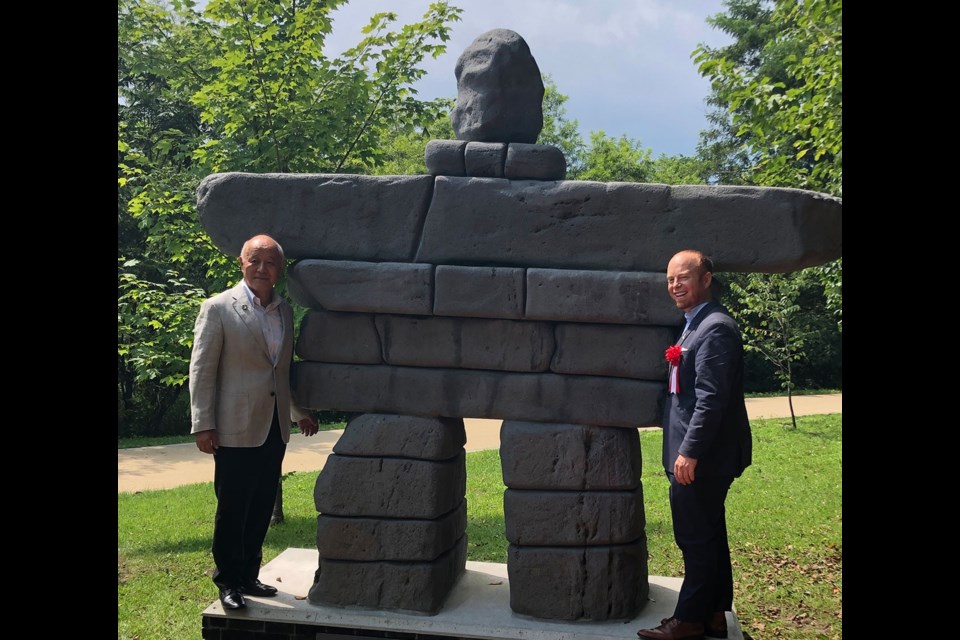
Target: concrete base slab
(478,607)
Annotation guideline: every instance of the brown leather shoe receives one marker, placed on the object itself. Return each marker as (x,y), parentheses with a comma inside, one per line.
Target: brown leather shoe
(716,626)
(673,629)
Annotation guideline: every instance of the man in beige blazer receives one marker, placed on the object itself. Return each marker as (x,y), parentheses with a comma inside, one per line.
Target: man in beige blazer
(241,412)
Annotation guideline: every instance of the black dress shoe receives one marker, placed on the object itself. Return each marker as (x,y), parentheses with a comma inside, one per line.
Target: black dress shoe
(232,599)
(673,629)
(257,588)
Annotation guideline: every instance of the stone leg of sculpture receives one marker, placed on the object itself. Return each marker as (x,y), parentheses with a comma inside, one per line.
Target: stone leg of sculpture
(392,526)
(575,521)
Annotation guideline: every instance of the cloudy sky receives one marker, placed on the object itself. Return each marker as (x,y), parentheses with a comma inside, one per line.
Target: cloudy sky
(625,64)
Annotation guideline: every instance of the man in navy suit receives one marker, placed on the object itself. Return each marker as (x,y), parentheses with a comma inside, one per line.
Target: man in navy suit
(706,444)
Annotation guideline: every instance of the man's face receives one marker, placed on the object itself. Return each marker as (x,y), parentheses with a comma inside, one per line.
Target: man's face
(262,267)
(686,285)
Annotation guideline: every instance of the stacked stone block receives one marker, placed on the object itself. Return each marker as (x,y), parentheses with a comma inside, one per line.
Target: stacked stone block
(514,161)
(527,300)
(497,222)
(537,301)
(393,517)
(574,519)
(483,367)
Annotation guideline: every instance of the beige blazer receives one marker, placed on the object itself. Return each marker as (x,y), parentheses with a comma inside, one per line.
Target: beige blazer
(233,383)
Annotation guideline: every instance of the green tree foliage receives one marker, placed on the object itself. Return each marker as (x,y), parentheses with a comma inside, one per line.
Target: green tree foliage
(615,159)
(768,315)
(403,150)
(239,86)
(153,331)
(819,345)
(273,89)
(777,93)
(560,131)
(679,169)
(782,87)
(749,23)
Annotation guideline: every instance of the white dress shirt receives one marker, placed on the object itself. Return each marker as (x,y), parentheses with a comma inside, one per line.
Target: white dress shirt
(271,324)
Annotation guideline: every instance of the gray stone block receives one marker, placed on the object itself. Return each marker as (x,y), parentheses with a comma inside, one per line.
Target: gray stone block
(600,296)
(534,162)
(573,518)
(485,159)
(419,587)
(605,350)
(399,436)
(370,539)
(756,228)
(381,287)
(347,217)
(543,397)
(389,487)
(627,226)
(576,583)
(466,343)
(445,157)
(479,292)
(499,90)
(538,455)
(527,223)
(328,336)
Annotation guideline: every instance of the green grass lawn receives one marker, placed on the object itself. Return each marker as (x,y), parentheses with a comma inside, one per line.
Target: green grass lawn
(130,443)
(784,516)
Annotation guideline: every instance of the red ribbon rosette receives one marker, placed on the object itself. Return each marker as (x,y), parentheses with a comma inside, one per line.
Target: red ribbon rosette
(673,354)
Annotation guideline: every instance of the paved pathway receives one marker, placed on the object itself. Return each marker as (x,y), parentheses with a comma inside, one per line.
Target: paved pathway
(172,465)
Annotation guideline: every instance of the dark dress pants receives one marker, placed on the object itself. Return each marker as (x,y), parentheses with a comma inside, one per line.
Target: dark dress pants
(245,481)
(700,529)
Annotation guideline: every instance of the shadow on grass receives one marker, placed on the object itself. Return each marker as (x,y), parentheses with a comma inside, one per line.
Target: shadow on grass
(300,532)
(826,436)
(486,539)
(658,527)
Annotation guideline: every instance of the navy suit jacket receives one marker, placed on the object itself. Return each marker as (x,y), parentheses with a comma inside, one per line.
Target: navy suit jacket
(707,419)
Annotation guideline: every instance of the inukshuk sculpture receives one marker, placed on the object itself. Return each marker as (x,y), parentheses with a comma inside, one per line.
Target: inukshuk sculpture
(493,288)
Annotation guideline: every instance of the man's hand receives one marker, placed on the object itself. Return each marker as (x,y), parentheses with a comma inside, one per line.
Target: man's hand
(683,469)
(308,426)
(207,441)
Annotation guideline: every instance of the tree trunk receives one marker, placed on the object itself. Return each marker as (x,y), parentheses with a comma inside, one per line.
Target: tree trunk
(277,516)
(793,416)
(125,381)
(163,399)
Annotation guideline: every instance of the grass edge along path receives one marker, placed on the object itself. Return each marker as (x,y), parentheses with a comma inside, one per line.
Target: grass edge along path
(784,517)
(135,442)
